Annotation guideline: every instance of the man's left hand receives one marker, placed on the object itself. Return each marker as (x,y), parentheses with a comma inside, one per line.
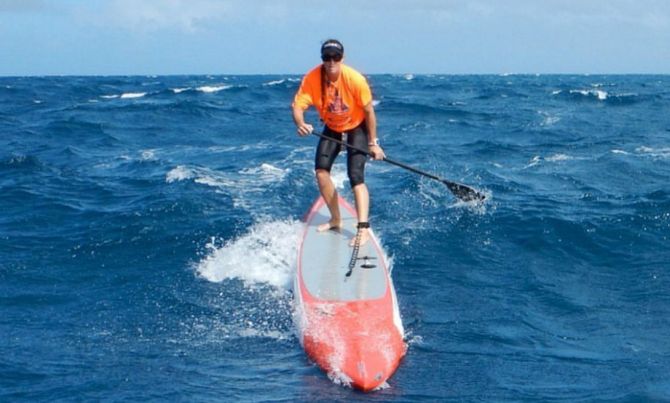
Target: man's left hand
(377,152)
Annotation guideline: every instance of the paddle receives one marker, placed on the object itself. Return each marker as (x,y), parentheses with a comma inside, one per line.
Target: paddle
(463,192)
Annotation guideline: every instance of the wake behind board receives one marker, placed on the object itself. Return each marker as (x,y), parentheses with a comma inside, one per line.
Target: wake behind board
(347,315)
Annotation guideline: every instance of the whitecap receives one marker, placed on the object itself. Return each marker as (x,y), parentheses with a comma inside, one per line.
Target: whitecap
(266,172)
(654,152)
(179,173)
(213,88)
(559,157)
(376,102)
(132,95)
(214,182)
(534,161)
(600,94)
(180,90)
(109,96)
(548,119)
(620,152)
(273,83)
(409,77)
(148,155)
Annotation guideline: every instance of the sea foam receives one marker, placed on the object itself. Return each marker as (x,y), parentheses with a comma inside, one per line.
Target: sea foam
(213,88)
(264,255)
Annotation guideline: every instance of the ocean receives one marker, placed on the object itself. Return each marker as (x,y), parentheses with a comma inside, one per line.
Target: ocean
(149,233)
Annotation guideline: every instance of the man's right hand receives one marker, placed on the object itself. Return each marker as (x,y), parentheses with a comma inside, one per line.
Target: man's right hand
(305,129)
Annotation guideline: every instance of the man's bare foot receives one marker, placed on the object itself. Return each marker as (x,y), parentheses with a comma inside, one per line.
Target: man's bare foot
(364,237)
(330,225)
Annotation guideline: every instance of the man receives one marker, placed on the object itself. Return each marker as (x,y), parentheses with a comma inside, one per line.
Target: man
(344,101)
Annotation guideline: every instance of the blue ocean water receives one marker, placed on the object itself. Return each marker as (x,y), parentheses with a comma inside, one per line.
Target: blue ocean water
(149,229)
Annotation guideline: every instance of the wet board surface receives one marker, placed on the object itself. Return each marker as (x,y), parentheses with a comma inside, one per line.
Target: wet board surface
(326,257)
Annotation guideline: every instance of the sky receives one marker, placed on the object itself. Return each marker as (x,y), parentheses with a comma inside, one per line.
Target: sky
(160,37)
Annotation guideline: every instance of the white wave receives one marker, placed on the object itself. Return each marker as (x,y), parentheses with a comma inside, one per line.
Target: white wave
(559,157)
(600,94)
(409,77)
(109,96)
(222,149)
(37,101)
(264,255)
(179,173)
(534,161)
(376,102)
(556,92)
(548,119)
(273,83)
(654,152)
(148,155)
(620,152)
(180,90)
(201,176)
(267,172)
(243,186)
(213,88)
(215,182)
(132,95)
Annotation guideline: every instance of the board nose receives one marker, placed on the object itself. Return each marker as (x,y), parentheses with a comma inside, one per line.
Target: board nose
(367,377)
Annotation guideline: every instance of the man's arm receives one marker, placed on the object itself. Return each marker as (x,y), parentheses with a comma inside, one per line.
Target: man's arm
(371,123)
(299,118)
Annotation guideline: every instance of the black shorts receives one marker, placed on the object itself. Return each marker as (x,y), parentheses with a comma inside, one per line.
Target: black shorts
(327,150)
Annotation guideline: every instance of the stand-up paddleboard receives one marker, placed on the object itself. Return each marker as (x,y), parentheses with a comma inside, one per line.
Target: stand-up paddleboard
(346,310)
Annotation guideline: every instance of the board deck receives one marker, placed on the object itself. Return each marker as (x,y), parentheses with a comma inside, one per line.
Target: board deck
(347,315)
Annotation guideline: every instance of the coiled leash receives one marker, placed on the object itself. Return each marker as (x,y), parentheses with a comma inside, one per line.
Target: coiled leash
(357,247)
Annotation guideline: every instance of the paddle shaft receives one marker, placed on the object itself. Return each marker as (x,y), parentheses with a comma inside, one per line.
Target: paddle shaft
(459,190)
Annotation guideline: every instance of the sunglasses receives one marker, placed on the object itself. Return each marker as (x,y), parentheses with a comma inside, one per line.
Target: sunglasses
(328,58)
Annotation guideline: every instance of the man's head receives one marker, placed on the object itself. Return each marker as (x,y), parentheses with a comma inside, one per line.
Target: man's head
(332,50)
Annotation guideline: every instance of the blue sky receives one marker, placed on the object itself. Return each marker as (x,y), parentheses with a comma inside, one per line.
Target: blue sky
(107,37)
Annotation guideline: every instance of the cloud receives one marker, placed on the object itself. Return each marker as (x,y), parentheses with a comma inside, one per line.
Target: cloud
(152,15)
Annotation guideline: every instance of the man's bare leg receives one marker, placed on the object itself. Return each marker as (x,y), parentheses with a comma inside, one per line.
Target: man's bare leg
(362,197)
(329,194)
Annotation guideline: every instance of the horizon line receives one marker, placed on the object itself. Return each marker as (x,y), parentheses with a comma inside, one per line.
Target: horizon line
(302,74)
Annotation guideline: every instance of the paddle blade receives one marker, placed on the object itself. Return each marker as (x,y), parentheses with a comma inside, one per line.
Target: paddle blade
(465,193)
